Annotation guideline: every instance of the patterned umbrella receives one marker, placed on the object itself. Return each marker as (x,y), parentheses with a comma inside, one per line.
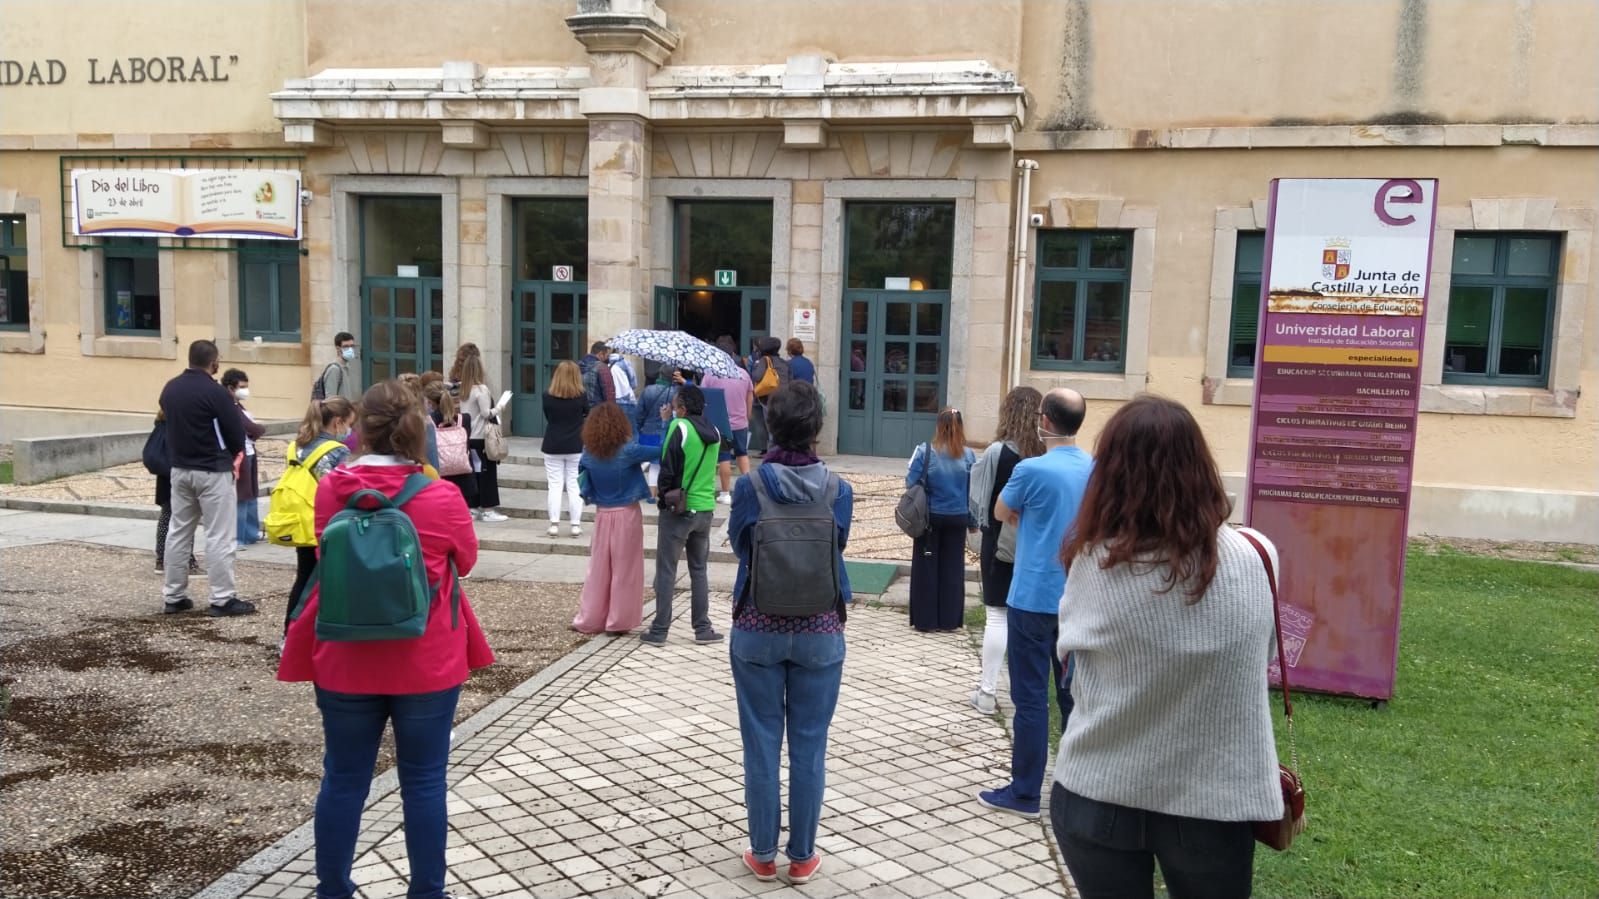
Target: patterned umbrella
(675,348)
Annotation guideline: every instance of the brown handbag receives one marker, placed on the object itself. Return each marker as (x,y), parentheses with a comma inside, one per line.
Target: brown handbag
(1279,834)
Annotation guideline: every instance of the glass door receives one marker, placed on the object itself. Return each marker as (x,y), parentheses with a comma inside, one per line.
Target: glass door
(550,326)
(893,374)
(404,323)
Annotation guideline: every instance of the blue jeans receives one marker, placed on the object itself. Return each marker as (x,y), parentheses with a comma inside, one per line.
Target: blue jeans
(1033,667)
(352,727)
(792,680)
(249,523)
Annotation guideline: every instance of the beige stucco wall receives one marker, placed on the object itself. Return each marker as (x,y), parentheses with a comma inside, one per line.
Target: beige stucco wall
(385,33)
(716,32)
(266,36)
(1188,187)
(1093,63)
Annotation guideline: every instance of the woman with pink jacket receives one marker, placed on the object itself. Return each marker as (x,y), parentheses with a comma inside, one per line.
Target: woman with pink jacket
(362,686)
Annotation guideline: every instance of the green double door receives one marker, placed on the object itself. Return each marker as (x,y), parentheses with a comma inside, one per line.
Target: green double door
(404,324)
(550,325)
(892,371)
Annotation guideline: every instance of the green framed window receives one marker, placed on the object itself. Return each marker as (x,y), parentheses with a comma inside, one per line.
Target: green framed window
(1080,300)
(1501,308)
(911,242)
(722,235)
(132,286)
(1244,327)
(269,292)
(13,273)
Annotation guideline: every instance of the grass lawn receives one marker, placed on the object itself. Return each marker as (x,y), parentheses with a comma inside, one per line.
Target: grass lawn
(1478,778)
(5,472)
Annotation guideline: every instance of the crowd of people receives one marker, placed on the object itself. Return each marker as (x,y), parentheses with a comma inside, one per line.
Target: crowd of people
(1110,581)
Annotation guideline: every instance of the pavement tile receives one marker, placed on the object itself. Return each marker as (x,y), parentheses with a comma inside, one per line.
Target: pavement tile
(623,777)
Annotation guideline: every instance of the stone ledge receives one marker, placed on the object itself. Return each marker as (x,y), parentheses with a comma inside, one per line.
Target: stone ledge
(1517,402)
(1285,136)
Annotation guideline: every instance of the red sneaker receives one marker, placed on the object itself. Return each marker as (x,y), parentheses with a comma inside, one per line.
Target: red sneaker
(763,871)
(802,872)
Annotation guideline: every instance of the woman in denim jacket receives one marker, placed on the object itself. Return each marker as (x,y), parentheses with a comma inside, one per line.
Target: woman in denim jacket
(610,475)
(786,669)
(938,562)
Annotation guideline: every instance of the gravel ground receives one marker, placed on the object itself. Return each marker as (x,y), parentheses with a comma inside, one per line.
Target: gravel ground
(146,755)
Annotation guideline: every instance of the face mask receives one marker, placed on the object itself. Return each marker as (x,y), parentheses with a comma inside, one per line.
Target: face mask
(1046,434)
(348,353)
(242,393)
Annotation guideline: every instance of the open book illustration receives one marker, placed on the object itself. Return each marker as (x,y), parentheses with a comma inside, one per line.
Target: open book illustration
(238,203)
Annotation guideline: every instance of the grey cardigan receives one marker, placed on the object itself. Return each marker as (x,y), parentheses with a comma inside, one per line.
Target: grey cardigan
(1172,713)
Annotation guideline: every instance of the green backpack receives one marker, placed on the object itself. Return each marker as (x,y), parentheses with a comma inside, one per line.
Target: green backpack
(373,582)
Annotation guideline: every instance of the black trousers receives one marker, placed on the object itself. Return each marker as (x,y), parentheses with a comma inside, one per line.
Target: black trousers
(304,564)
(488,481)
(1111,850)
(996,574)
(938,575)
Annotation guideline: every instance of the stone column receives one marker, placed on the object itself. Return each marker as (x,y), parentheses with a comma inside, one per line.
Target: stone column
(627,40)
(619,203)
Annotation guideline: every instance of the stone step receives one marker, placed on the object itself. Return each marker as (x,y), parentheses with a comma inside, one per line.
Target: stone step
(520,536)
(533,503)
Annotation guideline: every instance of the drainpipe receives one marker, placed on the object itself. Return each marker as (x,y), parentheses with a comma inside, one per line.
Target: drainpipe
(1019,268)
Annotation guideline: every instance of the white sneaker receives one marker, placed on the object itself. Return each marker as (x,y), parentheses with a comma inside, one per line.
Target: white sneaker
(577,530)
(724,498)
(555,530)
(984,701)
(491,515)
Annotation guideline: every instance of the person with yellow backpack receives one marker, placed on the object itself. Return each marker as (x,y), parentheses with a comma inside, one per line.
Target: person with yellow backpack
(318,448)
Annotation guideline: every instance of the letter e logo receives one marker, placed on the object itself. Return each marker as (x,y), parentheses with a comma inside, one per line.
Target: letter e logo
(1388,193)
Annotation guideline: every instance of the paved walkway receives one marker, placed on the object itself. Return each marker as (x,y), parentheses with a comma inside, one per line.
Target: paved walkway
(617,772)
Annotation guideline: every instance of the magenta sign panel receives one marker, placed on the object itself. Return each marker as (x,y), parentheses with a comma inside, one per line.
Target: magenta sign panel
(1337,383)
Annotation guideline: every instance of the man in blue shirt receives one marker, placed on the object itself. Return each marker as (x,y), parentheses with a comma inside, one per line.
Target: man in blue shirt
(1041,499)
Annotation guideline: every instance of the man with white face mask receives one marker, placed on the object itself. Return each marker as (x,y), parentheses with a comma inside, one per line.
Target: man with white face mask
(335,379)
(1040,500)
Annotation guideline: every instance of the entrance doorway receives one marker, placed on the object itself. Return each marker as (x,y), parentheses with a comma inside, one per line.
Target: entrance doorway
(895,325)
(722,271)
(549,300)
(402,286)
(741,314)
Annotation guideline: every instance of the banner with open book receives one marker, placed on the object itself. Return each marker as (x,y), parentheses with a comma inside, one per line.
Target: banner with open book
(223,203)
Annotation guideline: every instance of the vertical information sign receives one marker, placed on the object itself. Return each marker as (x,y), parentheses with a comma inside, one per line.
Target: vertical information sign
(1333,441)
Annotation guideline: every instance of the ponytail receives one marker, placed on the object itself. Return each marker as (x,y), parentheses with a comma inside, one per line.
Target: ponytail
(392,424)
(320,416)
(443,403)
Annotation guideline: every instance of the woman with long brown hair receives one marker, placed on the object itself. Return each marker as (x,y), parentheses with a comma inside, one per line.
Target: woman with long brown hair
(565,406)
(476,402)
(361,686)
(938,559)
(613,479)
(1015,440)
(1168,754)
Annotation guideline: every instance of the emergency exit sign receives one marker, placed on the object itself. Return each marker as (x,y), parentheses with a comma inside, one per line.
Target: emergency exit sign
(726,277)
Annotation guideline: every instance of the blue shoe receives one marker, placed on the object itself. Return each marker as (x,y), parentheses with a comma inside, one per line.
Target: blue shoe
(1001,800)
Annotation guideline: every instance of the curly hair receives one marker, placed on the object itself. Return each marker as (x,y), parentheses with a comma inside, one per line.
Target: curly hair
(1018,421)
(606,431)
(1155,495)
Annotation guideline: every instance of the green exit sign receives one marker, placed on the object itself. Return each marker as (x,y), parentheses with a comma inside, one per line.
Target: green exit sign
(726,277)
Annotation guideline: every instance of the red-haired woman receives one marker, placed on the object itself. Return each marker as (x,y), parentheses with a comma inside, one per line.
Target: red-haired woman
(938,560)
(612,478)
(1168,754)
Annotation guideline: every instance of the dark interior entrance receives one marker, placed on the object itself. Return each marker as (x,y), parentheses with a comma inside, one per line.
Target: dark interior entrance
(741,314)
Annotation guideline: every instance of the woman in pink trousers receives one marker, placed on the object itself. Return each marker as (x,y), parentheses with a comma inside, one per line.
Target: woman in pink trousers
(611,476)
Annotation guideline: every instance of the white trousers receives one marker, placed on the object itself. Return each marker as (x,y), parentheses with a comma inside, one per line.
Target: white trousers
(996,633)
(561,472)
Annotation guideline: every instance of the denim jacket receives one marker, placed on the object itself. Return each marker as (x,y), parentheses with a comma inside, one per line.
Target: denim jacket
(617,481)
(946,480)
(651,399)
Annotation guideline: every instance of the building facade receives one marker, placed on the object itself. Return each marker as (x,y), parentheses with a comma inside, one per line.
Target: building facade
(942,199)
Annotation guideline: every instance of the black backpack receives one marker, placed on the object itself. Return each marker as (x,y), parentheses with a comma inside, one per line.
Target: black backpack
(794,554)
